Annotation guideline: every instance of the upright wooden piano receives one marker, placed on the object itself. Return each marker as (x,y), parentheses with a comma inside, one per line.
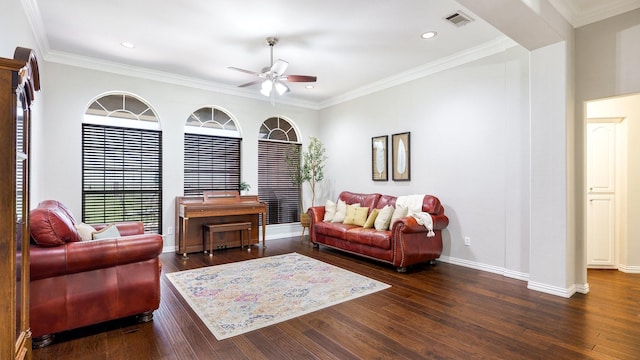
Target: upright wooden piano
(217,207)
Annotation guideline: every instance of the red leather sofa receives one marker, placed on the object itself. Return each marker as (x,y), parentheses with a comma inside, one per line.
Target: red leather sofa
(406,242)
(78,283)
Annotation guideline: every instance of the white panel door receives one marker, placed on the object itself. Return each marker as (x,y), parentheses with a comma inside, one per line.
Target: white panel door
(601,157)
(601,210)
(601,230)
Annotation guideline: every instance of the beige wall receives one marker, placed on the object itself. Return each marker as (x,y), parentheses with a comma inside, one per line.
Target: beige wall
(607,58)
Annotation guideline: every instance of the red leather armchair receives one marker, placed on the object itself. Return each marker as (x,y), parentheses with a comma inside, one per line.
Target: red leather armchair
(78,283)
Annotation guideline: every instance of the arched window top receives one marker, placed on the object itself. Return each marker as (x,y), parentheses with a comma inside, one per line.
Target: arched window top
(277,128)
(124,110)
(212,121)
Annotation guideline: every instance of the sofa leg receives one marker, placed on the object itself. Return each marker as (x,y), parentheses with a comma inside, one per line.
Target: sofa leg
(432,262)
(316,245)
(42,341)
(401,269)
(145,317)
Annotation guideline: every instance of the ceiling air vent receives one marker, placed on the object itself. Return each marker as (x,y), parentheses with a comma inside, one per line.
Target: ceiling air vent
(459,18)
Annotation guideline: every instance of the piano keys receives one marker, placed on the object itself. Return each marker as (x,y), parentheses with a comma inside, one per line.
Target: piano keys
(217,207)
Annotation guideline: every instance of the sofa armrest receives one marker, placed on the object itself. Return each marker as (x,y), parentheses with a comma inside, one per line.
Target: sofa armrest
(84,256)
(316,213)
(125,228)
(410,225)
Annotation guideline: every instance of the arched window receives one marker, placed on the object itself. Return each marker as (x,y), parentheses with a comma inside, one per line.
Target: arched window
(122,162)
(211,152)
(278,142)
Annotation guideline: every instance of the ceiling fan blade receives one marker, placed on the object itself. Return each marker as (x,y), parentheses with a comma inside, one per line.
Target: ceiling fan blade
(251,83)
(299,78)
(279,67)
(243,70)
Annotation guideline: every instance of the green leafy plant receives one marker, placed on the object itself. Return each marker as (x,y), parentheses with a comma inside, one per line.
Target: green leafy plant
(309,167)
(244,186)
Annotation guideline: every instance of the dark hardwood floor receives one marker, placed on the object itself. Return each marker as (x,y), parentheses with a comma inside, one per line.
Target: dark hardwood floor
(442,312)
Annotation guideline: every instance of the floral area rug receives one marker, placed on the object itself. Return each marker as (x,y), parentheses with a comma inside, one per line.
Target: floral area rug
(235,298)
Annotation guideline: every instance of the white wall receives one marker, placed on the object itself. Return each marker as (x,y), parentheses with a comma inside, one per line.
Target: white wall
(71,89)
(16,31)
(552,270)
(469,147)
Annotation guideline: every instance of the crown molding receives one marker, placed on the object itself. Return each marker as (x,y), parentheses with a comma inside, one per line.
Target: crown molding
(32,12)
(165,77)
(478,52)
(578,17)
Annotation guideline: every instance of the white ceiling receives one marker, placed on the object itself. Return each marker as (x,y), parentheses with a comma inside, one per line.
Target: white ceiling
(348,44)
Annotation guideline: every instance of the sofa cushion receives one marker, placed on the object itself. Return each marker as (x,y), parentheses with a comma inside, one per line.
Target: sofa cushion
(57,204)
(365,200)
(386,200)
(50,226)
(337,230)
(369,237)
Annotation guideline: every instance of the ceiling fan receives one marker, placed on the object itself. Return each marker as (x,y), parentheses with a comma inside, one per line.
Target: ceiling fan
(272,77)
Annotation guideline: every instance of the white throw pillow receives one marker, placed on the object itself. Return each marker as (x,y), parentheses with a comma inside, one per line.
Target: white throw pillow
(399,212)
(329,211)
(85,231)
(384,218)
(341,212)
(108,232)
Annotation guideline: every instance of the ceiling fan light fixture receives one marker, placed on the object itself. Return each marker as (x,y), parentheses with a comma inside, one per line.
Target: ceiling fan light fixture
(266,88)
(280,88)
(274,79)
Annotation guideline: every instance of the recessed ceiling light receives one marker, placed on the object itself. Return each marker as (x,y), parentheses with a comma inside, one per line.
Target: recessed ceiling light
(429,34)
(128,45)
(309,87)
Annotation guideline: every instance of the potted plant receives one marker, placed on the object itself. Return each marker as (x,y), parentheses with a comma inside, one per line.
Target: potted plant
(309,168)
(244,186)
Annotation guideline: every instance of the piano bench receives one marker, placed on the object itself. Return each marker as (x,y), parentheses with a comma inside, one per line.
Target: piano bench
(209,229)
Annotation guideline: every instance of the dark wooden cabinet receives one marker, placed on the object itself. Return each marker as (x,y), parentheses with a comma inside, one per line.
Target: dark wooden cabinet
(19,80)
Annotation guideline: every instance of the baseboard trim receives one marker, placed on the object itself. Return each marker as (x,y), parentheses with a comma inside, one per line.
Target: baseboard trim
(545,288)
(553,290)
(629,269)
(484,267)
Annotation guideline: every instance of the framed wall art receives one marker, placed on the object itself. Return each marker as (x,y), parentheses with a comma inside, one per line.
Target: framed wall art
(379,158)
(401,156)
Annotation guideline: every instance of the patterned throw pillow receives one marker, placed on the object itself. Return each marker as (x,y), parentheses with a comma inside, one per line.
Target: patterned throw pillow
(356,215)
(361,216)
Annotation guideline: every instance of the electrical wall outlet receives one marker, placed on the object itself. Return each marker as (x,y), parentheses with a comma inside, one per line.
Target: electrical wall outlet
(170,230)
(467,241)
